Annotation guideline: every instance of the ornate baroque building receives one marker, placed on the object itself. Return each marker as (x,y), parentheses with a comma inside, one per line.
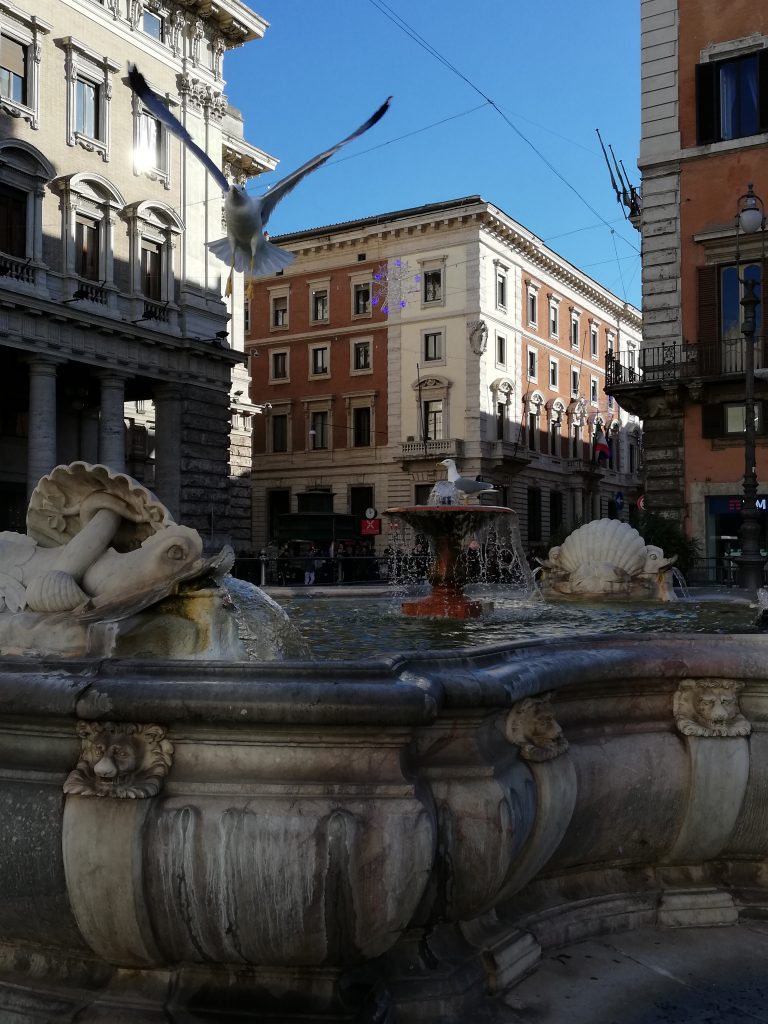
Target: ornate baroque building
(704,135)
(448,330)
(115,344)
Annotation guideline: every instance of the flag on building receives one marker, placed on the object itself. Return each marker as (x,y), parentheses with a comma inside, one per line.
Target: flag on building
(601,449)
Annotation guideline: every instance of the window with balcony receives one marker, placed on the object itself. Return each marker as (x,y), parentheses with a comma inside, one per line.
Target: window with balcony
(731,293)
(151,270)
(13,221)
(87,264)
(732,97)
(433,419)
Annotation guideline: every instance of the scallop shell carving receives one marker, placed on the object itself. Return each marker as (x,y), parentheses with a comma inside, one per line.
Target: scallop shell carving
(606,541)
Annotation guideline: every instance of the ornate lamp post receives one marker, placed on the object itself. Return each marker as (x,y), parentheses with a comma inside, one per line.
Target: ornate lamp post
(750,218)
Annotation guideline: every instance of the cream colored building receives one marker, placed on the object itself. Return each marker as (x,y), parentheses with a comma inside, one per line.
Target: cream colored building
(115,344)
(495,356)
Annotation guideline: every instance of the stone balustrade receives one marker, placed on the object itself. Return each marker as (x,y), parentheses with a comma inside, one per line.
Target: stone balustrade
(349,840)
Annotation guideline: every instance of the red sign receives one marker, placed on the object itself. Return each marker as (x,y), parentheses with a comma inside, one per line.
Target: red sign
(370,527)
(641,503)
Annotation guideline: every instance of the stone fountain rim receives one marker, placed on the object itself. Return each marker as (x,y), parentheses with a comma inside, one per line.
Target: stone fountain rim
(405,689)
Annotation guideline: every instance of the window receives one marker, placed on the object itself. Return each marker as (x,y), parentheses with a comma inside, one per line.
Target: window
(361,427)
(554,436)
(13,70)
(86,108)
(279,310)
(13,221)
(280,432)
(501,418)
(87,251)
(554,319)
(556,511)
(574,383)
(501,289)
(153,25)
(421,493)
(279,366)
(731,98)
(533,431)
(593,341)
(534,514)
(553,373)
(151,270)
(247,316)
(593,390)
(149,145)
(319,360)
(532,360)
(318,430)
(533,306)
(433,345)
(433,419)
(731,294)
(361,355)
(361,299)
(433,286)
(501,350)
(633,459)
(320,304)
(574,330)
(610,343)
(575,438)
(734,417)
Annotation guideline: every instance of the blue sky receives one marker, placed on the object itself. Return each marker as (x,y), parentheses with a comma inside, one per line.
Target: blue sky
(556,74)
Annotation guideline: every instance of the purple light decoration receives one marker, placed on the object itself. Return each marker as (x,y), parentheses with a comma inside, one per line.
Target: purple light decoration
(385,309)
(374,300)
(398,263)
(377,277)
(417,278)
(402,303)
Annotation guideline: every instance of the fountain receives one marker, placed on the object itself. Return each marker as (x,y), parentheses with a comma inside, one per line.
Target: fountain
(203,837)
(448,524)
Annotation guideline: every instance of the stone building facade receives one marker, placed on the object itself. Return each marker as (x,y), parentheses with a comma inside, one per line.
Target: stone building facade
(115,343)
(448,330)
(704,135)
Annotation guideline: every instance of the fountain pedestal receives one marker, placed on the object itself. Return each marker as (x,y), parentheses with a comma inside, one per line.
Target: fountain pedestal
(447,526)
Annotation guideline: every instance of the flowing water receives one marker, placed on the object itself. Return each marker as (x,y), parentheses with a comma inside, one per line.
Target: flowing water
(358,627)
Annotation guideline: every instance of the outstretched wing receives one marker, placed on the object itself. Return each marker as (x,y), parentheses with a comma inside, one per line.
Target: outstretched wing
(270,200)
(158,109)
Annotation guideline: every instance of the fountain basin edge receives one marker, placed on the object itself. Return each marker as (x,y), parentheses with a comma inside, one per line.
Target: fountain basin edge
(316,820)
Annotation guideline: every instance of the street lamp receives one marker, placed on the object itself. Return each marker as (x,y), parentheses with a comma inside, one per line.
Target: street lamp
(750,218)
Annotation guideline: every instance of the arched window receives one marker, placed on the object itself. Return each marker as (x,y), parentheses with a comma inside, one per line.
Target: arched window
(90,204)
(502,397)
(23,176)
(154,231)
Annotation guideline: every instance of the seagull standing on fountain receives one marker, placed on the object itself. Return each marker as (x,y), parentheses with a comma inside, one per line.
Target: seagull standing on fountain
(245,246)
(465,484)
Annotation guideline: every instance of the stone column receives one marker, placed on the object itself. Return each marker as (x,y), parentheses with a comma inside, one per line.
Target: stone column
(112,422)
(168,447)
(41,442)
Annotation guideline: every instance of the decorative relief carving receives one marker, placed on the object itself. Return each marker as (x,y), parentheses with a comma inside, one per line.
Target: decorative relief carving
(710,707)
(531,726)
(121,760)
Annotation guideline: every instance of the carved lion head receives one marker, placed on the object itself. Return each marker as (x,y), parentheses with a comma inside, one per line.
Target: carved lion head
(120,759)
(531,726)
(710,707)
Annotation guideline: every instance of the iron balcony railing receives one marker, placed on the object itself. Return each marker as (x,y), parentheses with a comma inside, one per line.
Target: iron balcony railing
(682,362)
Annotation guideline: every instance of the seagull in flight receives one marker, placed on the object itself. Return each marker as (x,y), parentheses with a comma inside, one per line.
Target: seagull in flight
(245,246)
(465,484)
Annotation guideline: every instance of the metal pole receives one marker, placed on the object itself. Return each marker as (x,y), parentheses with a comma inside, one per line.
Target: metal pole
(751,561)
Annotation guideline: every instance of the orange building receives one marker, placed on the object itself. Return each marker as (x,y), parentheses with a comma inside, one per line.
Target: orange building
(704,135)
